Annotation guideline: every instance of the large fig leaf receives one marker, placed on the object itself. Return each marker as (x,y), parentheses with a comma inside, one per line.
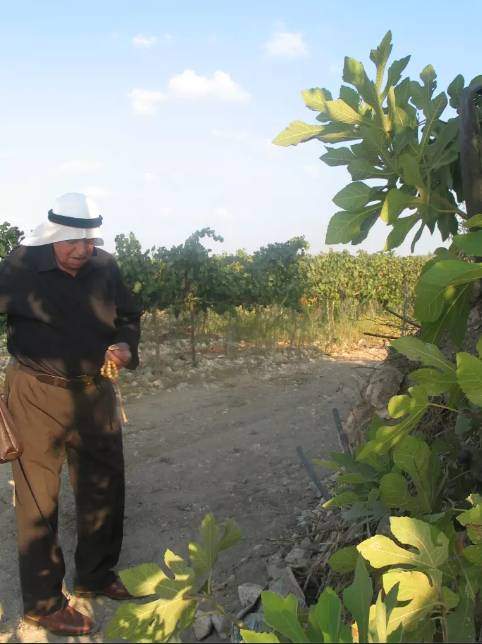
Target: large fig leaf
(213,538)
(436,280)
(415,588)
(316,97)
(460,622)
(429,546)
(281,613)
(395,203)
(324,617)
(155,621)
(428,354)
(298,132)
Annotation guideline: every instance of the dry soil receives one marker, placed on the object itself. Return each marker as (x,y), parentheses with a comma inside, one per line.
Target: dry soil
(229,448)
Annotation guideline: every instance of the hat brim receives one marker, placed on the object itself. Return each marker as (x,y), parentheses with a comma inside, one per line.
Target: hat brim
(49,233)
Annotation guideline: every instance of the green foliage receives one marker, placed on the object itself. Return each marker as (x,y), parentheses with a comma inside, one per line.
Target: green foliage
(400,141)
(407,478)
(324,621)
(403,145)
(301,290)
(178,589)
(10,238)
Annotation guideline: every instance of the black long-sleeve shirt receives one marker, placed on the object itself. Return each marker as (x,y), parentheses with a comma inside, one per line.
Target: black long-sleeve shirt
(62,325)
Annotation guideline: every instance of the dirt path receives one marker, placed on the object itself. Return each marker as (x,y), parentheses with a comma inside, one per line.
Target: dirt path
(229,449)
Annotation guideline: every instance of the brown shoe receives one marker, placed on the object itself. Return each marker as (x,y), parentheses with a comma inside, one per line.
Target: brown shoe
(65,621)
(115,590)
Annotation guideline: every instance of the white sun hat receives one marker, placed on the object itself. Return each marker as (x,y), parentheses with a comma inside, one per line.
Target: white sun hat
(73,216)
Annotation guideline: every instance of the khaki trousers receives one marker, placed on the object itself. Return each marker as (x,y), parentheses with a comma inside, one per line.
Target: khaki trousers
(82,427)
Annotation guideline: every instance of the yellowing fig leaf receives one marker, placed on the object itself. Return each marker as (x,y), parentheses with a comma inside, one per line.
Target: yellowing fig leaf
(316,97)
(253,637)
(156,620)
(174,606)
(297,132)
(431,546)
(142,580)
(342,113)
(416,589)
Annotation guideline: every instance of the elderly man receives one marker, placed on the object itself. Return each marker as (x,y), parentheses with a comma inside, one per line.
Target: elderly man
(68,312)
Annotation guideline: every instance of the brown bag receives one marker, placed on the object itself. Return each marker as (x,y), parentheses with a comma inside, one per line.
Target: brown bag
(11,446)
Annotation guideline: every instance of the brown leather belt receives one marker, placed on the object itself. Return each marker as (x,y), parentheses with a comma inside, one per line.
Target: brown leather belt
(78,383)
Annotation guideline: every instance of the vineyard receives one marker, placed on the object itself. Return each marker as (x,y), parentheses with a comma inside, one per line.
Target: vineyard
(279,295)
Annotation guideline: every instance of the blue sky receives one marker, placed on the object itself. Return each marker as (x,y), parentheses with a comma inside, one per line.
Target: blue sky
(164,111)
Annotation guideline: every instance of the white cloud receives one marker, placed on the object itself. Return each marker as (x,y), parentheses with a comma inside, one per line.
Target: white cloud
(145,101)
(286,44)
(144,41)
(190,85)
(80,166)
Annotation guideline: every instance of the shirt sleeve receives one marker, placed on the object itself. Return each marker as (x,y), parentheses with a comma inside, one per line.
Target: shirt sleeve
(128,319)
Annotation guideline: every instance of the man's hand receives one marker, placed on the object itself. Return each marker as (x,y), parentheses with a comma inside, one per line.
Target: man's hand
(119,354)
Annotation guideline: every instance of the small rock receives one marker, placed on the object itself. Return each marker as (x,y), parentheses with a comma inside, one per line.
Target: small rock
(253,622)
(203,625)
(222,625)
(275,566)
(383,384)
(249,593)
(286,584)
(297,558)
